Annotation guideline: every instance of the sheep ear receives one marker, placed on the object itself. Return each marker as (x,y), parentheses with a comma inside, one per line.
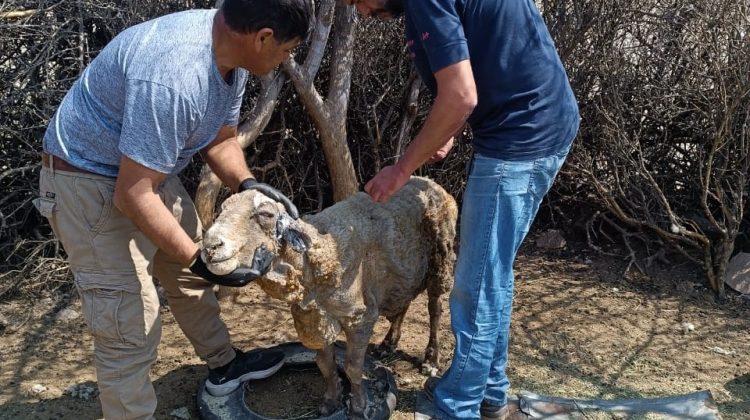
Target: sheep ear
(296,239)
(286,232)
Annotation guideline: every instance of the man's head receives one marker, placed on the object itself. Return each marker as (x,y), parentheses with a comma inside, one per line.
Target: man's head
(268,29)
(381,9)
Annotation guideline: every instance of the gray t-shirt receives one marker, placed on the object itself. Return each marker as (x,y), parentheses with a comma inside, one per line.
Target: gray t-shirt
(153,94)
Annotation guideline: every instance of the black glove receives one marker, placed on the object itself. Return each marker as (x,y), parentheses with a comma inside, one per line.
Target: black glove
(240,277)
(270,192)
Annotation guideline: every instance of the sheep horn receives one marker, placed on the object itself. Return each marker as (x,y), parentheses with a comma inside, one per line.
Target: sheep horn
(286,232)
(272,193)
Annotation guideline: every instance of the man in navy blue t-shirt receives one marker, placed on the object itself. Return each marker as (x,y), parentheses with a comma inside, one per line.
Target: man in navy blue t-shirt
(493,64)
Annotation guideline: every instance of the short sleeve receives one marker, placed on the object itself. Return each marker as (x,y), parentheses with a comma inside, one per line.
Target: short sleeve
(156,123)
(439,31)
(233,117)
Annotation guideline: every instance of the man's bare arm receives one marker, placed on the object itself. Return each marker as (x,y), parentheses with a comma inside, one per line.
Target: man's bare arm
(456,99)
(226,158)
(136,196)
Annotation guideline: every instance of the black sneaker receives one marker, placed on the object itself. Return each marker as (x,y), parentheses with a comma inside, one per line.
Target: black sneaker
(257,364)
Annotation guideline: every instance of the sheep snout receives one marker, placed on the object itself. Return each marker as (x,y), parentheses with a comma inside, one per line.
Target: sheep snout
(220,255)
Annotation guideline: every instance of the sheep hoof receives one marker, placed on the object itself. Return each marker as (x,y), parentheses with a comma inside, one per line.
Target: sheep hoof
(328,407)
(356,415)
(428,369)
(383,351)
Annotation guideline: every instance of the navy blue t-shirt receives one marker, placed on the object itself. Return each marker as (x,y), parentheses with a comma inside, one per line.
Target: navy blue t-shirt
(526,108)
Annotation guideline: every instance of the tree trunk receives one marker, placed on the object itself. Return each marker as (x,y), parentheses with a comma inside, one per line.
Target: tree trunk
(329,115)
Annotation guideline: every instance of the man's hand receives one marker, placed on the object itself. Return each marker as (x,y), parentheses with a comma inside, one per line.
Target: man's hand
(262,260)
(386,183)
(271,192)
(442,152)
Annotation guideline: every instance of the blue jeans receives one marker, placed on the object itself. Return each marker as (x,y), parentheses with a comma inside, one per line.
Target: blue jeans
(499,205)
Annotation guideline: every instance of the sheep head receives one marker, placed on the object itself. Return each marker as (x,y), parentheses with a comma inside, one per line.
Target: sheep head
(251,228)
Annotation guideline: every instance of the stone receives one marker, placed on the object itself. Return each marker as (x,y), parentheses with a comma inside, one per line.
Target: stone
(737,275)
(687,327)
(38,389)
(82,391)
(181,413)
(551,239)
(67,314)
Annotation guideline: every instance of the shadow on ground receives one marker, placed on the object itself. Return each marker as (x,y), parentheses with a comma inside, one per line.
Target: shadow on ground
(181,384)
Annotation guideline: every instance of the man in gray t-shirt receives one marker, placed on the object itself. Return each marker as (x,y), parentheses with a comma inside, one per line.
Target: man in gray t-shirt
(157,94)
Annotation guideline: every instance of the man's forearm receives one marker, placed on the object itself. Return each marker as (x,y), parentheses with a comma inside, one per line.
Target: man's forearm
(153,218)
(455,101)
(445,119)
(227,161)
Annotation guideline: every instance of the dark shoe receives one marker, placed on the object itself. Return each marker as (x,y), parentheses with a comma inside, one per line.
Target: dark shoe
(509,411)
(244,367)
(429,387)
(493,412)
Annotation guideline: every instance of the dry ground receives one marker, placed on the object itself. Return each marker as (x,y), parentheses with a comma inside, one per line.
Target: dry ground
(580,329)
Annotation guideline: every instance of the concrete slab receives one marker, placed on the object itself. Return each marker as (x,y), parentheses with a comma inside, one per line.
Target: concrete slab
(695,406)
(738,273)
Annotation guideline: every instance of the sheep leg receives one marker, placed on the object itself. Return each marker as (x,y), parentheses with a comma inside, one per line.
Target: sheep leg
(325,359)
(390,342)
(357,340)
(432,352)
(355,359)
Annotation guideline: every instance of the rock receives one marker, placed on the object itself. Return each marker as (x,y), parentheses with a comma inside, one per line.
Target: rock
(687,287)
(67,314)
(687,327)
(181,413)
(722,351)
(82,391)
(38,389)
(551,239)
(737,275)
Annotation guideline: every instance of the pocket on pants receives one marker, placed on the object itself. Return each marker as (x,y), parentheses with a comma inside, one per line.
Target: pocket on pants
(114,314)
(546,172)
(95,201)
(490,177)
(45,206)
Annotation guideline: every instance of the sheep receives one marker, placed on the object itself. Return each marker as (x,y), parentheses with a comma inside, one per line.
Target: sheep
(343,267)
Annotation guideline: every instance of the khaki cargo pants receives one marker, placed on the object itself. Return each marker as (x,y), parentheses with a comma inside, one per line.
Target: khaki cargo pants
(113,264)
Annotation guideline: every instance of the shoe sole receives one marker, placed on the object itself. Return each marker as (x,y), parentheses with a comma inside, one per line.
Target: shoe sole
(228,387)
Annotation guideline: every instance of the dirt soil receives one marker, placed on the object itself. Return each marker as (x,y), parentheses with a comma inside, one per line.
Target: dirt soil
(581,328)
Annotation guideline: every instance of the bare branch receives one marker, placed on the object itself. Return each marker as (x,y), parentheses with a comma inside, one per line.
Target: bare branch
(17,14)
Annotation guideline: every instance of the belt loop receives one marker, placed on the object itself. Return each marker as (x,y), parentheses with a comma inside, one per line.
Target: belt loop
(52,163)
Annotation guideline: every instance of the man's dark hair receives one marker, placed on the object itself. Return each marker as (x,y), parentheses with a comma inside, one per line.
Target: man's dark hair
(289,19)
